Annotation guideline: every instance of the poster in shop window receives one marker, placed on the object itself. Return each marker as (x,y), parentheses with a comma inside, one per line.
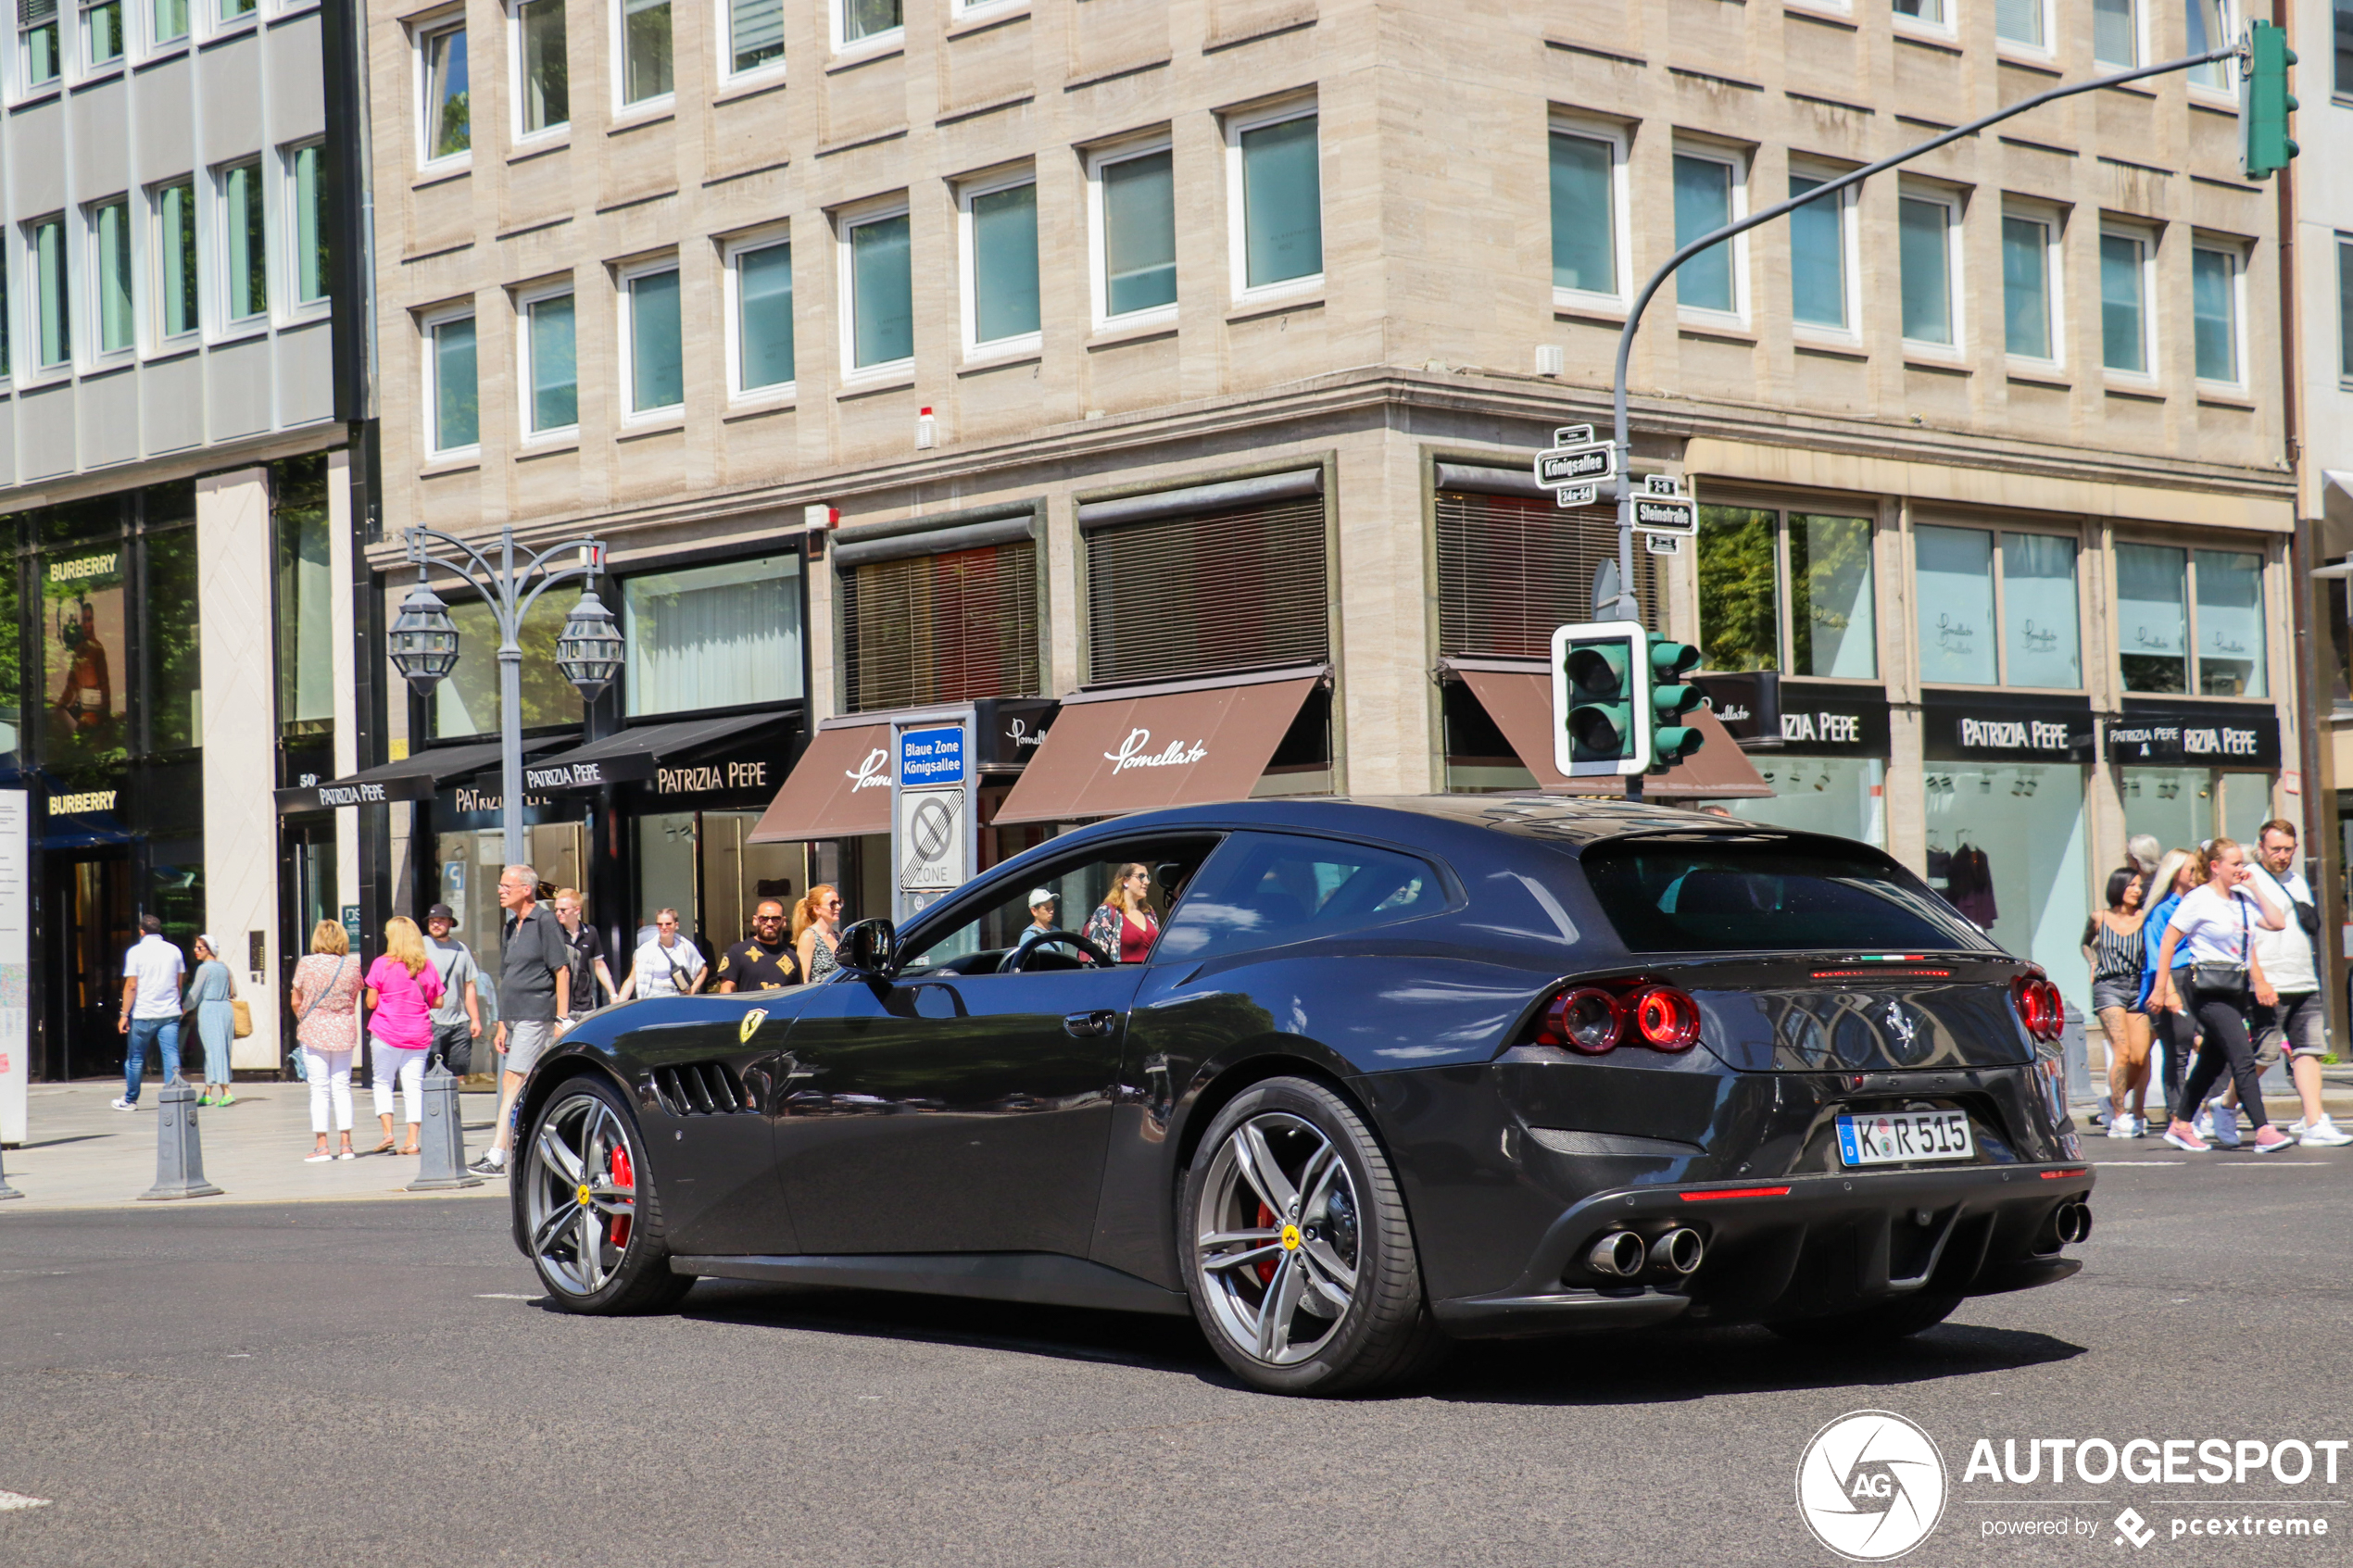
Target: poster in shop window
(84,670)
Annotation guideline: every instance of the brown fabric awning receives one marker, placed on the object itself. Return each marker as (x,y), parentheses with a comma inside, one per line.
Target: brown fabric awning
(840,788)
(1521,705)
(1108,754)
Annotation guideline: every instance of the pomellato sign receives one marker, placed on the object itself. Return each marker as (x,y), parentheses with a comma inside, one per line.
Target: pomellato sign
(1136,752)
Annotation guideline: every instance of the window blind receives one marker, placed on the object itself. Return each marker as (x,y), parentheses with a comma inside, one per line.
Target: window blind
(33,13)
(759,29)
(942,628)
(1510,569)
(1188,595)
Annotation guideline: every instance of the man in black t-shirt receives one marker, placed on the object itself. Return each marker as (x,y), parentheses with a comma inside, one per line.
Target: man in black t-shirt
(764,962)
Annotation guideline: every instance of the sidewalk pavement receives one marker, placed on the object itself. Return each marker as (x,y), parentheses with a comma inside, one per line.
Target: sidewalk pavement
(81,1154)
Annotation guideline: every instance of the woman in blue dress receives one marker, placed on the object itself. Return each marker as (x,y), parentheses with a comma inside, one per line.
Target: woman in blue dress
(211,995)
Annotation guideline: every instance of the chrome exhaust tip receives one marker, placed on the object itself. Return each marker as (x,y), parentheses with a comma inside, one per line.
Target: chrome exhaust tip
(1677,1252)
(1619,1254)
(2073,1222)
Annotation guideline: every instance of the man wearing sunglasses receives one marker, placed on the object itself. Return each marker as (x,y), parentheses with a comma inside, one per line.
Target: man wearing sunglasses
(763,961)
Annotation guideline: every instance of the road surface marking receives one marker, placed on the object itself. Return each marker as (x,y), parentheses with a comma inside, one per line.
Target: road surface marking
(506,1295)
(18,1500)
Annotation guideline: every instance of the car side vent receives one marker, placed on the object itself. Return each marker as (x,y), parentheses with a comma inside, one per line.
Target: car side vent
(702,1089)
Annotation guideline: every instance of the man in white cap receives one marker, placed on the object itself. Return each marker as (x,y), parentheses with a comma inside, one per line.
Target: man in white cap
(1042,904)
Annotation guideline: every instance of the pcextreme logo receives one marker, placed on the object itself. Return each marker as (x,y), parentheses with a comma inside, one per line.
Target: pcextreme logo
(1871,1485)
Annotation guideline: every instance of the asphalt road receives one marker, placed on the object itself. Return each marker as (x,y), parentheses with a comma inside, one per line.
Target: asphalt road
(359,1384)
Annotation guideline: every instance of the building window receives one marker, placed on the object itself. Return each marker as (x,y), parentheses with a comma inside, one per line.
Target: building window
(305,639)
(1932,13)
(1001,264)
(452,390)
(759,274)
(2023,21)
(867,22)
(650,334)
(2344,308)
(1280,191)
(1135,233)
(941,628)
(1754,562)
(543,68)
(2343,29)
(551,365)
(8,346)
(246,236)
(2116,33)
(52,301)
(176,270)
(308,195)
(645,51)
(1817,270)
(2028,246)
(755,34)
(1586,174)
(232,11)
(170,20)
(1511,568)
(445,121)
(2124,266)
(2032,597)
(2214,312)
(713,636)
(102,32)
(110,251)
(466,703)
(1192,594)
(882,310)
(2209,28)
(1926,229)
(2176,606)
(1707,198)
(37,41)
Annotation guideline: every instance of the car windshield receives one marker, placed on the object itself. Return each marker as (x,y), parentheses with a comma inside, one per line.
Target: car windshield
(1694,895)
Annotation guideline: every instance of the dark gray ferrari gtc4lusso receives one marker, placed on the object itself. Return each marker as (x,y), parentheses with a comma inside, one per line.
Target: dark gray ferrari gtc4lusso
(1345,1079)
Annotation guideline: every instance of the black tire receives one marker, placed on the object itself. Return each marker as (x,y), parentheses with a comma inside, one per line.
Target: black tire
(633,1278)
(1883,1324)
(1384,1333)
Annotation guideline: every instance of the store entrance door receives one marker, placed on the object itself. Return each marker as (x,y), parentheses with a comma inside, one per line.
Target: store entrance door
(88,898)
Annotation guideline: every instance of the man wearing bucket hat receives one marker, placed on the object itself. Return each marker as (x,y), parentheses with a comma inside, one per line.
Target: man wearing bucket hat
(457,1018)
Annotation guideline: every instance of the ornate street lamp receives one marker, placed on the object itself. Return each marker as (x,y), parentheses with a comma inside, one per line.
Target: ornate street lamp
(588,649)
(423,641)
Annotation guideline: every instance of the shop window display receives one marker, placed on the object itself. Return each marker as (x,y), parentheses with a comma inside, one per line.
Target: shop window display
(713,636)
(1971,582)
(470,861)
(2176,607)
(2006,845)
(1834,795)
(736,874)
(1753,562)
(81,655)
(2185,807)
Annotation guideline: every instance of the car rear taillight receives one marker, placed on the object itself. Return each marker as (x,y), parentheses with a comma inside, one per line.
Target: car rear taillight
(1667,1019)
(1600,1017)
(2039,1008)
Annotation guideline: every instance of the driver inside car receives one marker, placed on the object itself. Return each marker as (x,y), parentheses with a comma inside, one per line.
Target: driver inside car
(1042,904)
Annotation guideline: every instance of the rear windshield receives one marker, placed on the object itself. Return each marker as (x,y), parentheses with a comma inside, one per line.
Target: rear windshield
(1692,897)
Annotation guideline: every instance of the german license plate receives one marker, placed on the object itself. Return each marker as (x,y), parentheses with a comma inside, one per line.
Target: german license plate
(1899,1135)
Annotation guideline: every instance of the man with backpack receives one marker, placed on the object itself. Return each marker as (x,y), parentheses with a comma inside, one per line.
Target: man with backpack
(457,1018)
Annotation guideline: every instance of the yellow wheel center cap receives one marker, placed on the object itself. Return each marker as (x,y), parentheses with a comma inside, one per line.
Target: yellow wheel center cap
(585,1194)
(1290,1238)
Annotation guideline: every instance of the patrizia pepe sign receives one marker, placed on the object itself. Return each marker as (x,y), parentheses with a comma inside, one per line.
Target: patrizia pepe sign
(1999,727)
(2231,735)
(1136,752)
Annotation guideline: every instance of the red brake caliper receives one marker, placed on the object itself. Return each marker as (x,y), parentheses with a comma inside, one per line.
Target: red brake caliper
(1265,1266)
(624,1177)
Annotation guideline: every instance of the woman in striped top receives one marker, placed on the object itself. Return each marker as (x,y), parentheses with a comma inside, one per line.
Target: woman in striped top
(2112,940)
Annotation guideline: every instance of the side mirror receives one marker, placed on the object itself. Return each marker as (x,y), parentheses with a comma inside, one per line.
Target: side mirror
(870,948)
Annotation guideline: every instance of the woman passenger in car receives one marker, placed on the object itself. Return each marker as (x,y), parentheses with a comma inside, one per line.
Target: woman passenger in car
(1124,924)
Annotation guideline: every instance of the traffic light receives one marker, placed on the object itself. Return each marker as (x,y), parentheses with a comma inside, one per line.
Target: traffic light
(1600,699)
(1671,739)
(2265,103)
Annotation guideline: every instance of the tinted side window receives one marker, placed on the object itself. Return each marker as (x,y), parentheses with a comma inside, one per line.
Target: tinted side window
(1264,891)
(1079,896)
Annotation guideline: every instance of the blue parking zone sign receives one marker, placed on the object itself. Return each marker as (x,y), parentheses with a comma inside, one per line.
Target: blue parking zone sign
(928,758)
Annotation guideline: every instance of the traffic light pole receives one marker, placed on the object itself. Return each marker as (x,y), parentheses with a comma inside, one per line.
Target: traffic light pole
(1624,607)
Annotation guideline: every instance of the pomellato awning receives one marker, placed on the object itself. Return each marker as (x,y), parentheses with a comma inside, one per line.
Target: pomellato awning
(840,788)
(419,777)
(1518,696)
(1139,748)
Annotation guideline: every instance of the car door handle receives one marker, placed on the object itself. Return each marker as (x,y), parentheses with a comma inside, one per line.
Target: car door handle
(1086,1024)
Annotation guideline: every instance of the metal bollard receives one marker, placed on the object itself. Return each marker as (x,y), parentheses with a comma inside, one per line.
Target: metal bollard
(7,1191)
(179,1151)
(442,1140)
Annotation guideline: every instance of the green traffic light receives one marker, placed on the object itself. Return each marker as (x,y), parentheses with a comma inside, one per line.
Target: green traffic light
(1601,721)
(1670,660)
(2265,103)
(1601,732)
(1671,743)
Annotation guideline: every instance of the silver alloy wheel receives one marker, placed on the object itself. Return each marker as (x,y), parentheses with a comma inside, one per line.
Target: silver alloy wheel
(583,1194)
(1277,1238)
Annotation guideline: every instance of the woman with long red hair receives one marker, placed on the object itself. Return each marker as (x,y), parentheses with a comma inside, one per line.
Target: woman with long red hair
(816,929)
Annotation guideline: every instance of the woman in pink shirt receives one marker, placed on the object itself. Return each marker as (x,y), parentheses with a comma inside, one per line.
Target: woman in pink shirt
(403,988)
